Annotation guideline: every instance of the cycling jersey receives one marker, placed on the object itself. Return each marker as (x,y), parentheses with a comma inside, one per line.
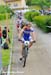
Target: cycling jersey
(26,34)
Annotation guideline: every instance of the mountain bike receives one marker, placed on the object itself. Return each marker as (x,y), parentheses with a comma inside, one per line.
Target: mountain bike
(25,51)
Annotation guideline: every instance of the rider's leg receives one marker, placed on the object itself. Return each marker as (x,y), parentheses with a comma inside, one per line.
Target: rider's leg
(18,29)
(31,41)
(22,50)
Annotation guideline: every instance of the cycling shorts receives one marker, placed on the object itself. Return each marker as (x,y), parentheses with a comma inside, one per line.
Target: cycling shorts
(30,39)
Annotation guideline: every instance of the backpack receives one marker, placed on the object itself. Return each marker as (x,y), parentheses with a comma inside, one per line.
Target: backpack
(5,46)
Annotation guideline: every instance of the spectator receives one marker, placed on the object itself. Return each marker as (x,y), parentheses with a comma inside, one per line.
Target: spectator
(4,33)
(0,35)
(6,39)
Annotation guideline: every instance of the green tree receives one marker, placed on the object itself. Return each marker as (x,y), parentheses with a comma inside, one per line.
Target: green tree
(28,2)
(42,3)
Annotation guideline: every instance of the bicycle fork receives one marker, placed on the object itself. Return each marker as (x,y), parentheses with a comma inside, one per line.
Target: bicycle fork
(25,54)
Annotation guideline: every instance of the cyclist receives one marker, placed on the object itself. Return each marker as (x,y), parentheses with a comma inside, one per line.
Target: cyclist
(18,26)
(19,23)
(27,33)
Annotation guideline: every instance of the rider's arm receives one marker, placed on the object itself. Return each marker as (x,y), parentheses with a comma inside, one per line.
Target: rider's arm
(33,34)
(20,34)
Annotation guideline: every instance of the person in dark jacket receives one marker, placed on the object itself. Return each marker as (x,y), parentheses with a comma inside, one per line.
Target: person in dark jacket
(4,33)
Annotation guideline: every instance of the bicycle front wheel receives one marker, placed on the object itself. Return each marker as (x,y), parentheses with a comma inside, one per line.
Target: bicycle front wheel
(25,52)
(24,62)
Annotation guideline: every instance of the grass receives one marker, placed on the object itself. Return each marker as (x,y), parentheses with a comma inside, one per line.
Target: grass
(35,7)
(5,57)
(6,53)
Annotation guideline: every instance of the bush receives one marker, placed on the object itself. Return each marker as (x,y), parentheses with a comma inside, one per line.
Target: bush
(3,16)
(30,15)
(49,24)
(33,14)
(42,22)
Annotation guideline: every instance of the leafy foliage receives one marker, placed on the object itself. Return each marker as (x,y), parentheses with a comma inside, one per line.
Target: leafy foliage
(42,3)
(43,22)
(3,11)
(30,15)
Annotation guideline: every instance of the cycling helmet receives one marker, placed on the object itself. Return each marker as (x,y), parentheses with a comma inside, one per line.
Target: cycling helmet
(28,24)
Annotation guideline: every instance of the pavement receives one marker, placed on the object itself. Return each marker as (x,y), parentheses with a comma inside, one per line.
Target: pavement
(39,57)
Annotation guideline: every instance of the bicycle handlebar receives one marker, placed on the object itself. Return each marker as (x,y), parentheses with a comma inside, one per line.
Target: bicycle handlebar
(23,41)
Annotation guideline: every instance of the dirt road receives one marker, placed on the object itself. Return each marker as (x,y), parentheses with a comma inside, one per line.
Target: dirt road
(39,58)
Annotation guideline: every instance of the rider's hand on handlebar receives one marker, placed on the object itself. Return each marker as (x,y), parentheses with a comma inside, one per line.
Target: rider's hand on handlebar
(34,41)
(19,39)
